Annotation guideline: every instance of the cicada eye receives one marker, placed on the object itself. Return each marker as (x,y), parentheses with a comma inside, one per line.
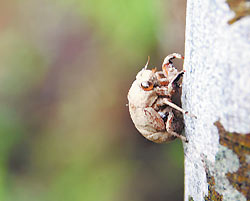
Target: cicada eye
(147,85)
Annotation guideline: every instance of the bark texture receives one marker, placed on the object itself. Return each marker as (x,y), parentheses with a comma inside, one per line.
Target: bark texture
(216,88)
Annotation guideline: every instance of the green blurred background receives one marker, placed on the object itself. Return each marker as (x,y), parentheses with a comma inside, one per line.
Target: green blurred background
(65,69)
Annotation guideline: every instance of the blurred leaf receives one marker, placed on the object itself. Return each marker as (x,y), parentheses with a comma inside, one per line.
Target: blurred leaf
(123,27)
(21,65)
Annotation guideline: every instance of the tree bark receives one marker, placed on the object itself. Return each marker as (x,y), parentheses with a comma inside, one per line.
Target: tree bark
(216,88)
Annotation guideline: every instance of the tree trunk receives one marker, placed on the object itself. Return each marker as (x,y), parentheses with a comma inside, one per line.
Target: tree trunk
(216,88)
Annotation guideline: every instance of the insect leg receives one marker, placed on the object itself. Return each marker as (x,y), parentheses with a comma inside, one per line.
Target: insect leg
(165,101)
(177,77)
(167,63)
(161,137)
(169,130)
(163,81)
(173,83)
(163,91)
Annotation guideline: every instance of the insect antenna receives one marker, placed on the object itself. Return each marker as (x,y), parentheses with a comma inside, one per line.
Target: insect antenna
(145,67)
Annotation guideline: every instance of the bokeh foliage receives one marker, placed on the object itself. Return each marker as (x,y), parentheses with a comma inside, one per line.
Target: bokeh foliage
(65,70)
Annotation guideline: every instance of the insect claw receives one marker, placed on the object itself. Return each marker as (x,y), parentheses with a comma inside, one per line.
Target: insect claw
(191,115)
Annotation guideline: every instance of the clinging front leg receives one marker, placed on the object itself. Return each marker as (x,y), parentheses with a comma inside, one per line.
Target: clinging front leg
(167,65)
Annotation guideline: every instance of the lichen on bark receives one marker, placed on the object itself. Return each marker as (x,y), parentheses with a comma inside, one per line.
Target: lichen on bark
(240,144)
(241,8)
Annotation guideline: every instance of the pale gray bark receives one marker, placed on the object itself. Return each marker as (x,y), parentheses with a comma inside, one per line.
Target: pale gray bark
(216,86)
